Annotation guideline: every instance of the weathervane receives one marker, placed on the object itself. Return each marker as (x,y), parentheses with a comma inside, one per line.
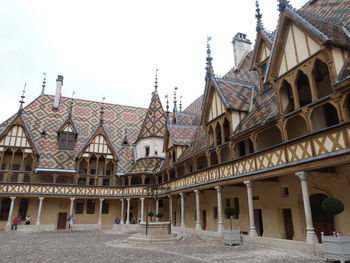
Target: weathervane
(44,84)
(21,102)
(102,112)
(156,81)
(175,101)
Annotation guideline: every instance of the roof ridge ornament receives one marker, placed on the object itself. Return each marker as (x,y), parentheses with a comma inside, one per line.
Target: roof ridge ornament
(102,110)
(209,68)
(282,4)
(71,105)
(180,103)
(21,102)
(167,102)
(44,84)
(156,82)
(175,100)
(258,16)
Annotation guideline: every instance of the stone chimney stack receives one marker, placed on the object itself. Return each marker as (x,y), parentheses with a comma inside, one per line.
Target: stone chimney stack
(59,84)
(241,46)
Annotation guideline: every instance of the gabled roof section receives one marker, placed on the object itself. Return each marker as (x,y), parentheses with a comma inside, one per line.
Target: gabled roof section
(68,126)
(154,124)
(263,46)
(195,107)
(181,134)
(146,165)
(198,144)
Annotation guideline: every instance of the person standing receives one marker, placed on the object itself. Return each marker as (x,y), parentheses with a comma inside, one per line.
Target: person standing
(70,223)
(28,219)
(15,221)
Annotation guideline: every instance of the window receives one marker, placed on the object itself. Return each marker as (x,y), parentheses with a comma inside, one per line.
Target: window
(90,207)
(256,198)
(215,212)
(285,192)
(236,202)
(105,206)
(66,140)
(155,152)
(79,206)
(82,181)
(146,151)
(5,209)
(105,182)
(91,181)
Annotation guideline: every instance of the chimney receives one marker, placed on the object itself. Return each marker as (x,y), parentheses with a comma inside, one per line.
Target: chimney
(241,46)
(59,83)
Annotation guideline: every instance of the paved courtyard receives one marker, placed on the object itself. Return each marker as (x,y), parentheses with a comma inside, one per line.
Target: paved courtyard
(101,246)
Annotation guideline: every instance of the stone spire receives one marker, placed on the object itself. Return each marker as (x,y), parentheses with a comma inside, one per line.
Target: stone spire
(209,68)
(102,111)
(258,16)
(167,103)
(180,104)
(44,84)
(282,4)
(175,100)
(156,82)
(21,102)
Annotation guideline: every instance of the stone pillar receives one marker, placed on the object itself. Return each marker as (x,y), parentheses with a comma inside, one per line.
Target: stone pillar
(142,209)
(218,194)
(100,212)
(310,230)
(170,209)
(8,224)
(182,220)
(128,211)
(71,206)
(122,212)
(157,209)
(198,211)
(39,210)
(252,230)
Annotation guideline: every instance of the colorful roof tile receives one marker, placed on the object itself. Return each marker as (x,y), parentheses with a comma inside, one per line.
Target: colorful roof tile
(147,164)
(195,107)
(198,144)
(180,134)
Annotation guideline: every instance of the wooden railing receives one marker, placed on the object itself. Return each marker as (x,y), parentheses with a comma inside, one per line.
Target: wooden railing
(318,145)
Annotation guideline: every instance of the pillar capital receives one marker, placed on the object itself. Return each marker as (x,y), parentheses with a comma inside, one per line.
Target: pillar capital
(302,175)
(102,199)
(142,198)
(72,198)
(13,197)
(248,183)
(196,192)
(121,200)
(41,198)
(170,197)
(181,194)
(128,199)
(218,188)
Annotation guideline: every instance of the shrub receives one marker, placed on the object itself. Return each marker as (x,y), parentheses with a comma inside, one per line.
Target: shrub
(160,215)
(150,214)
(230,211)
(332,206)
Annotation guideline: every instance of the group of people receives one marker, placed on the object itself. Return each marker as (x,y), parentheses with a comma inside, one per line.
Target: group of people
(17,219)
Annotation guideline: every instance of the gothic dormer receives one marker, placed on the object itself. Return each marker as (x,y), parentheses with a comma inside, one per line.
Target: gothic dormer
(67,136)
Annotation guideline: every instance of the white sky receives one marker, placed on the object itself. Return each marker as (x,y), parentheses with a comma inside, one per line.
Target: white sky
(112,48)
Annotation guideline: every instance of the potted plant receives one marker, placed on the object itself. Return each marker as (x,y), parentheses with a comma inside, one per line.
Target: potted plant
(335,247)
(231,236)
(160,215)
(151,215)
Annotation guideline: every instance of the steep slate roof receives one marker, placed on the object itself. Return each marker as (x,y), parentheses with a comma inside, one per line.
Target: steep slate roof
(180,134)
(147,164)
(154,124)
(198,144)
(39,115)
(195,107)
(186,119)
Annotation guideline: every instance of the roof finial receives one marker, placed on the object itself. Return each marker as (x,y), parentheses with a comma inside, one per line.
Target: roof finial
(209,67)
(125,140)
(156,82)
(102,110)
(71,106)
(21,102)
(180,103)
(258,16)
(282,4)
(44,84)
(175,101)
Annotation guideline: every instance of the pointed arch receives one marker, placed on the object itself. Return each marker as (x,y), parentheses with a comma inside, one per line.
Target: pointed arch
(302,84)
(322,78)
(286,97)
(227,131)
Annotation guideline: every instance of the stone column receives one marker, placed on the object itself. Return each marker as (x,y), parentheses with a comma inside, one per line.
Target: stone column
(128,211)
(122,212)
(100,212)
(170,209)
(39,210)
(310,230)
(157,209)
(252,230)
(8,224)
(71,206)
(142,209)
(218,194)
(182,221)
(198,211)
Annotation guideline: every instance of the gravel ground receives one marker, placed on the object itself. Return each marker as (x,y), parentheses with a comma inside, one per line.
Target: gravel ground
(101,246)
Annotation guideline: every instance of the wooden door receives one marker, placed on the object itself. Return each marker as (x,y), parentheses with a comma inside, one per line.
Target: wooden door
(174,219)
(62,220)
(288,223)
(204,219)
(258,222)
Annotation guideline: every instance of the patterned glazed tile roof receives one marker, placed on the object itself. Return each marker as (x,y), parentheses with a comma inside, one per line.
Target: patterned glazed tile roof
(39,115)
(334,10)
(198,144)
(237,96)
(154,123)
(265,108)
(186,119)
(195,108)
(148,164)
(345,72)
(180,134)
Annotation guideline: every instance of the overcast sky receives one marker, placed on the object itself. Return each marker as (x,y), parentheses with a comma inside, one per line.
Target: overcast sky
(113,48)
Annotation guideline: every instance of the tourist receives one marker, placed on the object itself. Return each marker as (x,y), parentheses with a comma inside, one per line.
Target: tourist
(117,221)
(28,218)
(70,223)
(15,221)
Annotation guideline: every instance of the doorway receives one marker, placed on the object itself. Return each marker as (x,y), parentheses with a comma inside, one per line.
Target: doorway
(62,219)
(288,223)
(258,222)
(204,219)
(174,219)
(322,221)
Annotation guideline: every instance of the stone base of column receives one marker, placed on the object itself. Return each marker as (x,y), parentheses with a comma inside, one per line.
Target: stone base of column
(252,232)
(220,228)
(182,224)
(198,227)
(37,222)
(99,222)
(122,221)
(127,222)
(311,236)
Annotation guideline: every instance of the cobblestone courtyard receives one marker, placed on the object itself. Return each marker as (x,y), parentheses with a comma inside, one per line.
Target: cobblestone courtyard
(99,246)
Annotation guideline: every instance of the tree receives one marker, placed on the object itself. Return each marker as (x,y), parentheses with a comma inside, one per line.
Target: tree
(332,206)
(230,211)
(160,215)
(150,214)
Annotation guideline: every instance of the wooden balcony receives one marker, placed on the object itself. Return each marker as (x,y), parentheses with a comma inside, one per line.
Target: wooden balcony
(307,152)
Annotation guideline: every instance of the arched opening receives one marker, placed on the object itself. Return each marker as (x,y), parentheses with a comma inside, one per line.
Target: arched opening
(346,106)
(218,134)
(268,138)
(303,88)
(324,116)
(213,158)
(189,166)
(101,165)
(147,180)
(226,126)
(93,163)
(296,127)
(322,79)
(323,222)
(110,168)
(202,162)
(286,97)
(28,163)
(83,166)
(225,154)
(135,180)
(211,137)
(118,181)
(17,160)
(180,171)
(172,174)
(6,160)
(243,148)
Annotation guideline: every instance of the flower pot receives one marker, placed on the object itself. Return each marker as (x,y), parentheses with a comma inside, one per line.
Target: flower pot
(337,248)
(232,237)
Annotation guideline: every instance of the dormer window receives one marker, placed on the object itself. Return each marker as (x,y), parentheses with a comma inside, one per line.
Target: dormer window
(66,138)
(146,151)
